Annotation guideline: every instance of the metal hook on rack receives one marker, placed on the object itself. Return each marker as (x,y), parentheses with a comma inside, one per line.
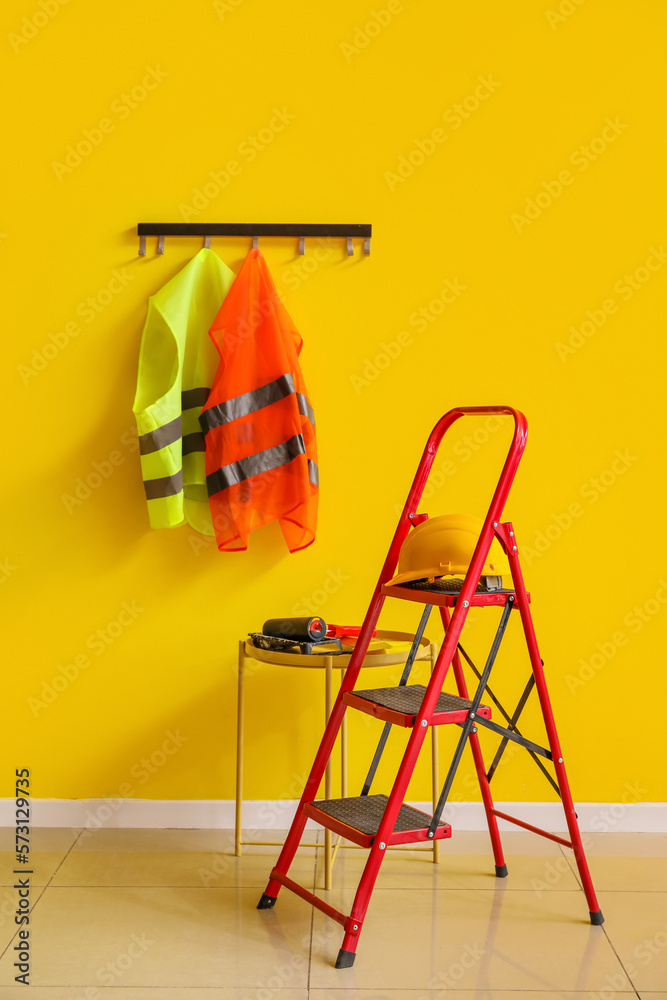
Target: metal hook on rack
(367,245)
(160,244)
(255,242)
(302,245)
(207,243)
(350,246)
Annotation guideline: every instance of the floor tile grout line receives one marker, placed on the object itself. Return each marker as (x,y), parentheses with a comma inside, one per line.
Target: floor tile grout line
(15,934)
(572,866)
(43,888)
(59,866)
(620,961)
(65,857)
(575,871)
(383,888)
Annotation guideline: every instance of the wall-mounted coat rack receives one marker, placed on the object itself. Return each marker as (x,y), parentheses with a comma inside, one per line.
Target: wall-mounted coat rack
(255,230)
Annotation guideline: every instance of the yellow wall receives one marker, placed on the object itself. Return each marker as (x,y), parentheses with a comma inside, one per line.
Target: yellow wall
(575,88)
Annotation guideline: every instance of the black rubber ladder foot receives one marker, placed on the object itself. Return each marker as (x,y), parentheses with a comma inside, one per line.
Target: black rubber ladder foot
(345,959)
(596,918)
(266,902)
(501,871)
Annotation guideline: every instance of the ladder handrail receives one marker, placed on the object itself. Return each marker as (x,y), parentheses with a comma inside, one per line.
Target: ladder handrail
(500,495)
(494,513)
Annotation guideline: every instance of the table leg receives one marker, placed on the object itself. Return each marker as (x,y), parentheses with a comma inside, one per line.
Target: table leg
(239,753)
(434,762)
(343,748)
(327,773)
(343,768)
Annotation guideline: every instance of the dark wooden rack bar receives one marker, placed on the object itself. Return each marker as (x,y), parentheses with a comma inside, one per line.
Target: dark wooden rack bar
(254,230)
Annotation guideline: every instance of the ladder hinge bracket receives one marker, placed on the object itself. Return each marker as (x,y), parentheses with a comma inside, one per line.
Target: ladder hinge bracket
(504,532)
(352,926)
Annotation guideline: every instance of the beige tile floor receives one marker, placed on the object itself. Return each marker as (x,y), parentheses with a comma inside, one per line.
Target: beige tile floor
(138,914)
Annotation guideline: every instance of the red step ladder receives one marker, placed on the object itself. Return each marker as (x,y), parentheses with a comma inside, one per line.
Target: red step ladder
(379,821)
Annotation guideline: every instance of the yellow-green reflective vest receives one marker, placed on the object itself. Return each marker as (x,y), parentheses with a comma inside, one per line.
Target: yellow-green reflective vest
(177,362)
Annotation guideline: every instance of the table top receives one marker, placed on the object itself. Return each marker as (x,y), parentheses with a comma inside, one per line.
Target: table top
(386,649)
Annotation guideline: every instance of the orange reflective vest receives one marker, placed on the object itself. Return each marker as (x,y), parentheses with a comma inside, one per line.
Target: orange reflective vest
(261,458)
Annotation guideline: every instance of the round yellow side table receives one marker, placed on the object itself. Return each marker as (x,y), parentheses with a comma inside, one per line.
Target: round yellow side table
(380,654)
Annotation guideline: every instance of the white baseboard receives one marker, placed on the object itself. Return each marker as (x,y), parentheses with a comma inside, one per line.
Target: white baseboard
(594,817)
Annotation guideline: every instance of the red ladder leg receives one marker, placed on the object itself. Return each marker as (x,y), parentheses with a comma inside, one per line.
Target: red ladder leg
(510,545)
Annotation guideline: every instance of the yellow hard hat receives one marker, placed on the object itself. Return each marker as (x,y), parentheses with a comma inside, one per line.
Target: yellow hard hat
(444,546)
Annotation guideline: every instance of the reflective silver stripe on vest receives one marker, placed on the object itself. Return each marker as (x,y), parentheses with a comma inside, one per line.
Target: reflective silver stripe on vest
(313,473)
(160,437)
(250,402)
(166,486)
(305,408)
(194,397)
(194,442)
(253,465)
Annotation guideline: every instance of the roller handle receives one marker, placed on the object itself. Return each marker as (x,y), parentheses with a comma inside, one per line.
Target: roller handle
(338,631)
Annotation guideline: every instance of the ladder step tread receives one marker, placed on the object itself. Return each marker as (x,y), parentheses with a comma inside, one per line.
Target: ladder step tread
(442,594)
(409,698)
(392,703)
(361,815)
(451,585)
